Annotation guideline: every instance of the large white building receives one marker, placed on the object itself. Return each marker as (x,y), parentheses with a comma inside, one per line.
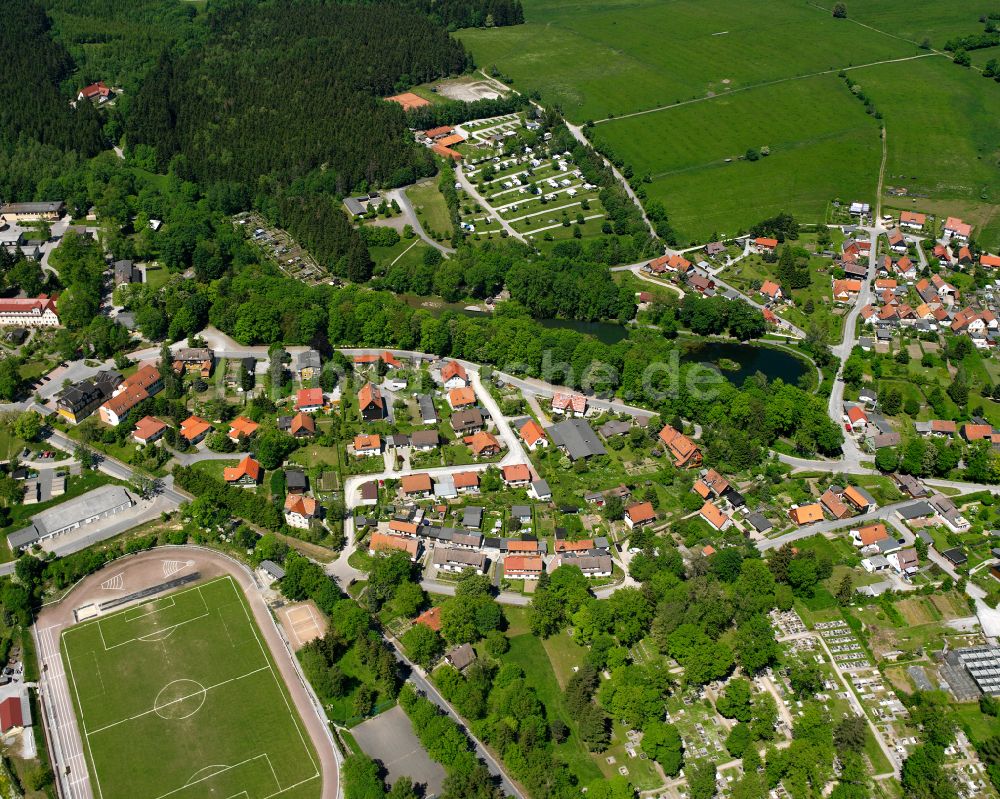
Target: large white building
(71,515)
(24,312)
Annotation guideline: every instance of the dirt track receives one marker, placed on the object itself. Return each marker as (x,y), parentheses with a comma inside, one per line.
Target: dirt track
(124,577)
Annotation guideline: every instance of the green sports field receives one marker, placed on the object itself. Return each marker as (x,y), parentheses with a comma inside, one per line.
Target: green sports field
(180,697)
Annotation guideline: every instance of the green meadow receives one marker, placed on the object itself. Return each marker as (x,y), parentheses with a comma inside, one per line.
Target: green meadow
(819,152)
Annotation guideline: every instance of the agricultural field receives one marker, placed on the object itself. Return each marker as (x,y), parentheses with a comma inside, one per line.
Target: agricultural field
(617,58)
(179,696)
(818,152)
(948,162)
(677,88)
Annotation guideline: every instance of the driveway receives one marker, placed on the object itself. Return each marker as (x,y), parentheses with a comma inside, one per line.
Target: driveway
(399,195)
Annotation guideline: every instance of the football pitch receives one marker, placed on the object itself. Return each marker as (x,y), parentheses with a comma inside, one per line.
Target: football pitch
(179,697)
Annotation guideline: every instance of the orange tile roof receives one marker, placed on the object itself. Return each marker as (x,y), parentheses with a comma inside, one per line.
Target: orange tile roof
(461,397)
(193,427)
(582,545)
(381,543)
(913,218)
(430,618)
(769,288)
(453,369)
(531,432)
(522,546)
(482,441)
(522,564)
(301,504)
(766,242)
(702,490)
(448,141)
(147,427)
(713,515)
(247,467)
(562,401)
(989,260)
(641,512)
(833,503)
(308,398)
(806,514)
(846,286)
(406,528)
(681,447)
(466,479)
(367,441)
(872,533)
(302,421)
(416,483)
(369,394)
(516,473)
(438,131)
(857,414)
(974,432)
(707,550)
(241,426)
(854,497)
(447,152)
(408,100)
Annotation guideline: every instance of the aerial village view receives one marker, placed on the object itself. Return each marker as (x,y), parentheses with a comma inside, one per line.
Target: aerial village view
(500,399)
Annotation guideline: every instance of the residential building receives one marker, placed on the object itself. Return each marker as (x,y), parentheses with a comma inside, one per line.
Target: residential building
(715,517)
(905,561)
(869,535)
(241,429)
(379,542)
(483,444)
(417,485)
(139,386)
(912,220)
(469,420)
(246,473)
(428,413)
(310,400)
(806,514)
(759,522)
(32,212)
(308,365)
(592,566)
(76,402)
(832,503)
(194,429)
(300,511)
(955,228)
(367,445)
(194,360)
(147,430)
(461,657)
(771,290)
(860,499)
(463,397)
(681,448)
(763,244)
(453,375)
(577,439)
(522,567)
(302,425)
(370,403)
(38,312)
(466,482)
(97,93)
(424,440)
(640,514)
(540,490)
(518,474)
(458,560)
(532,434)
(125,272)
(569,404)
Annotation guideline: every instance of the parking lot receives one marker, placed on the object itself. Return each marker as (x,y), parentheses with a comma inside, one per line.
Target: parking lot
(389,739)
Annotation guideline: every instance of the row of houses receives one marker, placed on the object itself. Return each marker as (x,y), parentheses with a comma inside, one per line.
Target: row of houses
(836,503)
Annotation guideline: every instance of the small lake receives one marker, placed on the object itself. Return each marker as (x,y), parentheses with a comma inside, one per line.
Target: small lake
(772,363)
(605,332)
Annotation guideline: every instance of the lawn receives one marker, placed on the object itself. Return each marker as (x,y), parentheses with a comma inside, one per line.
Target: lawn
(616,57)
(528,652)
(179,695)
(707,190)
(431,208)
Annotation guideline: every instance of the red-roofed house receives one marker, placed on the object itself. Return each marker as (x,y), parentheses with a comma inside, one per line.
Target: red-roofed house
(715,517)
(380,542)
(569,404)
(309,400)
(246,473)
(366,446)
(771,290)
(912,220)
(763,244)
(955,228)
(370,403)
(976,432)
(23,312)
(466,482)
(194,429)
(522,567)
(639,514)
(463,397)
(483,444)
(683,450)
(95,91)
(241,427)
(135,388)
(857,417)
(991,261)
(846,290)
(147,430)
(533,435)
(517,474)
(453,375)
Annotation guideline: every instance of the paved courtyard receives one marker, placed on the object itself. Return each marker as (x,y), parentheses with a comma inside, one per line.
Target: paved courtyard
(389,738)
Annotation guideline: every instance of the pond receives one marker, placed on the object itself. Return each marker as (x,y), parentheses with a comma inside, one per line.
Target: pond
(773,363)
(605,332)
